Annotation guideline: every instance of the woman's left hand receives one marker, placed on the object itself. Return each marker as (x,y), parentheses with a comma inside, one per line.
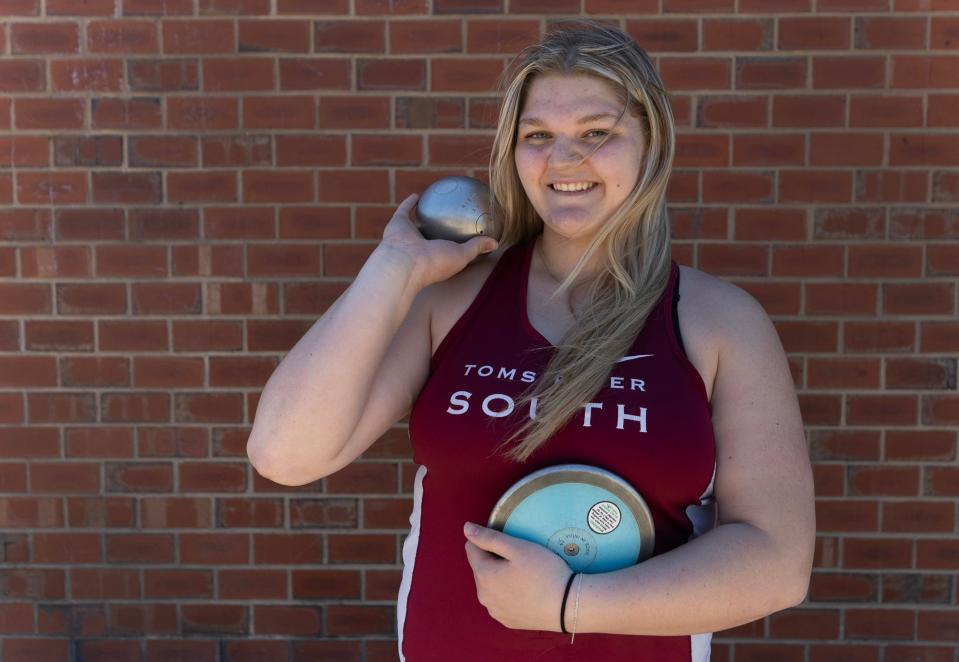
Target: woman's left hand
(523,590)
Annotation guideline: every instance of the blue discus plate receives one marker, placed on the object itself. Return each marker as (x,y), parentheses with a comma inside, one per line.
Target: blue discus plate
(593,519)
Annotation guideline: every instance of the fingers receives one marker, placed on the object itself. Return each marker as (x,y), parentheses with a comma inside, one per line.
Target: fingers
(408,202)
(492,541)
(479,245)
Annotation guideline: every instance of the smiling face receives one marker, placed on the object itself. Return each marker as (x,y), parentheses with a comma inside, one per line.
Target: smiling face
(550,150)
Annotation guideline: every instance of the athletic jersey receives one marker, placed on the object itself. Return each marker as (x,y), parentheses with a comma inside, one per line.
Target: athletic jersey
(650,424)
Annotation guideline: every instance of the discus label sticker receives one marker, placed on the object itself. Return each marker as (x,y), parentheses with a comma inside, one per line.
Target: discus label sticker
(604,517)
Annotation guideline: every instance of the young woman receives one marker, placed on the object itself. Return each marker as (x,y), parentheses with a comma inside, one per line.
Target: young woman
(578,340)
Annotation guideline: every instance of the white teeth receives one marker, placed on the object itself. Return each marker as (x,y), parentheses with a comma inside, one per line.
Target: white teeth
(573,187)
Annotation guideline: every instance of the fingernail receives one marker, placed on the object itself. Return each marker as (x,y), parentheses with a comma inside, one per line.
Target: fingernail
(470,529)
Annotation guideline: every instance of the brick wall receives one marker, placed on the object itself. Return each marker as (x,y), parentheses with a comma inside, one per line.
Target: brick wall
(186,185)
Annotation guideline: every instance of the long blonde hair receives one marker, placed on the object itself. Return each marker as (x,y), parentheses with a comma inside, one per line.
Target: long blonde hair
(634,243)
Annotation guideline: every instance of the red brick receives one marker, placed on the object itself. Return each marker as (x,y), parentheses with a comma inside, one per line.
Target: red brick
(251,584)
(879,336)
(80,7)
(233,7)
(279,112)
(841,298)
(379,7)
(358,620)
(237,74)
(277,186)
(392,74)
(855,445)
(940,410)
(351,185)
(350,36)
(202,186)
(167,151)
(325,583)
(911,149)
(711,73)
(203,113)
(880,624)
(88,150)
(916,588)
(378,149)
(728,186)
(891,186)
(878,110)
(472,74)
(808,336)
(926,653)
(86,74)
(137,113)
(918,298)
(314,74)
(923,224)
(426,36)
(814,33)
(855,72)
(852,373)
(881,261)
(215,619)
(848,515)
(310,150)
(500,36)
(921,373)
(162,75)
(883,481)
(288,548)
(877,553)
(890,33)
(881,409)
(918,516)
(126,187)
(47,113)
(50,37)
(846,149)
(288,620)
(815,186)
(157,7)
(843,653)
(354,112)
(54,187)
(939,554)
(929,445)
(795,110)
(122,37)
(849,224)
(943,260)
(195,37)
(292,36)
(238,150)
(429,112)
(843,587)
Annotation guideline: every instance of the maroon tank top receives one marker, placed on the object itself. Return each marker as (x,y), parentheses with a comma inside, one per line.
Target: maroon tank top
(650,424)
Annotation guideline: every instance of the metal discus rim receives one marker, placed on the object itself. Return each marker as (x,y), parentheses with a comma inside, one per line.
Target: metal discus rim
(579,473)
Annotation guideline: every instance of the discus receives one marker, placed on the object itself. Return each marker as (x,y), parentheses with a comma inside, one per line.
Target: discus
(590,517)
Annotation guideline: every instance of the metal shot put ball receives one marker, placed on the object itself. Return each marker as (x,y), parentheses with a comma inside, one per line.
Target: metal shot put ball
(457,209)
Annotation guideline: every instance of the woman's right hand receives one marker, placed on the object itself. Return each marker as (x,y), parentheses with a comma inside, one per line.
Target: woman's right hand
(431,260)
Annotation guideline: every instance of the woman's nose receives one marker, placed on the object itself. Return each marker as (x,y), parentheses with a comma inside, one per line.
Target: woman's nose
(564,151)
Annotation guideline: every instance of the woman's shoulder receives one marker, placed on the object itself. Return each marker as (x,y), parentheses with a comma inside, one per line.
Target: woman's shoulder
(721,310)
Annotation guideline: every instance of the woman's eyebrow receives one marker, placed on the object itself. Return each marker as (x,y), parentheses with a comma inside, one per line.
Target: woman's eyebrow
(583,120)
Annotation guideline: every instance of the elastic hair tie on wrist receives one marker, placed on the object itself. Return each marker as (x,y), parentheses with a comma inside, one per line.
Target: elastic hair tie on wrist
(562,609)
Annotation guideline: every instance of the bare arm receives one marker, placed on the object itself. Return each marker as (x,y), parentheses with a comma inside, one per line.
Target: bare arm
(313,400)
(759,558)
(361,365)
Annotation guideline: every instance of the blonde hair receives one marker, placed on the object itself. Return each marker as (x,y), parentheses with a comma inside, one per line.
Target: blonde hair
(634,243)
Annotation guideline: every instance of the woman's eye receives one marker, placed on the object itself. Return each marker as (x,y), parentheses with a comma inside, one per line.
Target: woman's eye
(543,133)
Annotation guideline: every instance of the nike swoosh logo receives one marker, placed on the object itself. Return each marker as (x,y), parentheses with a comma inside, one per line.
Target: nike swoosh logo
(635,356)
